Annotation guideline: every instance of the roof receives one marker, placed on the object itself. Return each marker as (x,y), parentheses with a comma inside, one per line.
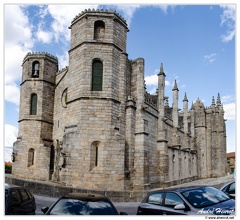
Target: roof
(230,154)
(179,189)
(86,196)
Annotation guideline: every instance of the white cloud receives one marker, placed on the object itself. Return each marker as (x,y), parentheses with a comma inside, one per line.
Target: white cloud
(227,98)
(63,16)
(11,133)
(128,11)
(210,58)
(44,36)
(228,19)
(229,111)
(18,41)
(12,93)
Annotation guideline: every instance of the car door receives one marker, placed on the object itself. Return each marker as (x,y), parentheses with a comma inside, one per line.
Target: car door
(171,200)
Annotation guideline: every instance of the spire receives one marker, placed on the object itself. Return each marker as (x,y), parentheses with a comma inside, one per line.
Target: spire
(192,107)
(213,101)
(185,97)
(218,100)
(175,86)
(161,70)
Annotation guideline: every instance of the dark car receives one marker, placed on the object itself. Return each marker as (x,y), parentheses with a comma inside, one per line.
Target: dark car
(201,200)
(82,204)
(229,189)
(19,201)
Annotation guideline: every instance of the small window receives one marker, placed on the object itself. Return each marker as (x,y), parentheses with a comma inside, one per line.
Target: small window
(30,157)
(99,30)
(33,107)
(97,75)
(35,69)
(94,154)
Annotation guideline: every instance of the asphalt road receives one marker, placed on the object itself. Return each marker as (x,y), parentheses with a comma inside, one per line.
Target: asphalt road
(42,201)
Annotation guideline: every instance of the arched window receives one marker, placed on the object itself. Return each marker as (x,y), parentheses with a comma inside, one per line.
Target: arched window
(35,69)
(99,30)
(33,104)
(97,75)
(30,157)
(64,98)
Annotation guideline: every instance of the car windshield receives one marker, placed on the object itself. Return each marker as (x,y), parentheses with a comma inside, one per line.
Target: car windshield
(68,206)
(205,196)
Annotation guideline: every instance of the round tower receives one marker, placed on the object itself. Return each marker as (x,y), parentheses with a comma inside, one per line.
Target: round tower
(33,146)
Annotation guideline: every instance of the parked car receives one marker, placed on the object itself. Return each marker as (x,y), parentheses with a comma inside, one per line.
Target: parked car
(187,201)
(19,201)
(229,189)
(82,204)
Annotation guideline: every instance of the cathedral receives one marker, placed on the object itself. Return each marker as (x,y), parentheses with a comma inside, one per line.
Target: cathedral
(93,125)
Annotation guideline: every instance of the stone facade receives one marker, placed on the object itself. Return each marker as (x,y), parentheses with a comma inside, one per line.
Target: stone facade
(93,125)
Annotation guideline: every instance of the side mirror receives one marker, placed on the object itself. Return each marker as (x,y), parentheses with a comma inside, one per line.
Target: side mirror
(179,207)
(44,209)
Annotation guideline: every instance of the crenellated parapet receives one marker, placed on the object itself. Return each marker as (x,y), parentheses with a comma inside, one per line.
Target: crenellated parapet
(40,55)
(93,11)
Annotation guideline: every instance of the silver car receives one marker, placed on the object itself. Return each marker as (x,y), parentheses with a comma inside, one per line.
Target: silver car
(201,200)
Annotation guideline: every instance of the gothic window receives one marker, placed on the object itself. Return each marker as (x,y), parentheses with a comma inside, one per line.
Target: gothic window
(30,157)
(33,104)
(64,98)
(35,69)
(97,75)
(99,30)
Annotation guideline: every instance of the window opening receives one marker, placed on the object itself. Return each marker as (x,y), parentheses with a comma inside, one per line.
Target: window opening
(30,157)
(35,69)
(97,75)
(99,30)
(33,107)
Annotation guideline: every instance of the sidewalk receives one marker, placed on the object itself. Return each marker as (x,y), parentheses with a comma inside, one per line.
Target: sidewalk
(215,182)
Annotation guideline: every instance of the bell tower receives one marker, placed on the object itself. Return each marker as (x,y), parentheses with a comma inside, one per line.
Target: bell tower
(33,146)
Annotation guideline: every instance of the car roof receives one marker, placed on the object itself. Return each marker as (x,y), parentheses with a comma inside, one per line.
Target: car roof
(179,189)
(9,186)
(86,196)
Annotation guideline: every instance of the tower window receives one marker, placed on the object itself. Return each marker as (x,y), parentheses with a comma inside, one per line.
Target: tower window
(33,107)
(64,98)
(99,30)
(97,75)
(94,154)
(35,69)
(30,157)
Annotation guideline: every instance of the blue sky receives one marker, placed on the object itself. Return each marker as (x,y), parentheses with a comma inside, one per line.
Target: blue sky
(195,43)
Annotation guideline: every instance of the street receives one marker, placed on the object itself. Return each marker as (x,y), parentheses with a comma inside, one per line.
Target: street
(42,201)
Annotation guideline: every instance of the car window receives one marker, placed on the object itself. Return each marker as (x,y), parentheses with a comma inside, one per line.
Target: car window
(15,196)
(232,188)
(78,207)
(205,196)
(156,198)
(172,199)
(24,195)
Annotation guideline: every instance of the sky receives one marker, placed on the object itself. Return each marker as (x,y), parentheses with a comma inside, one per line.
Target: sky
(196,44)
